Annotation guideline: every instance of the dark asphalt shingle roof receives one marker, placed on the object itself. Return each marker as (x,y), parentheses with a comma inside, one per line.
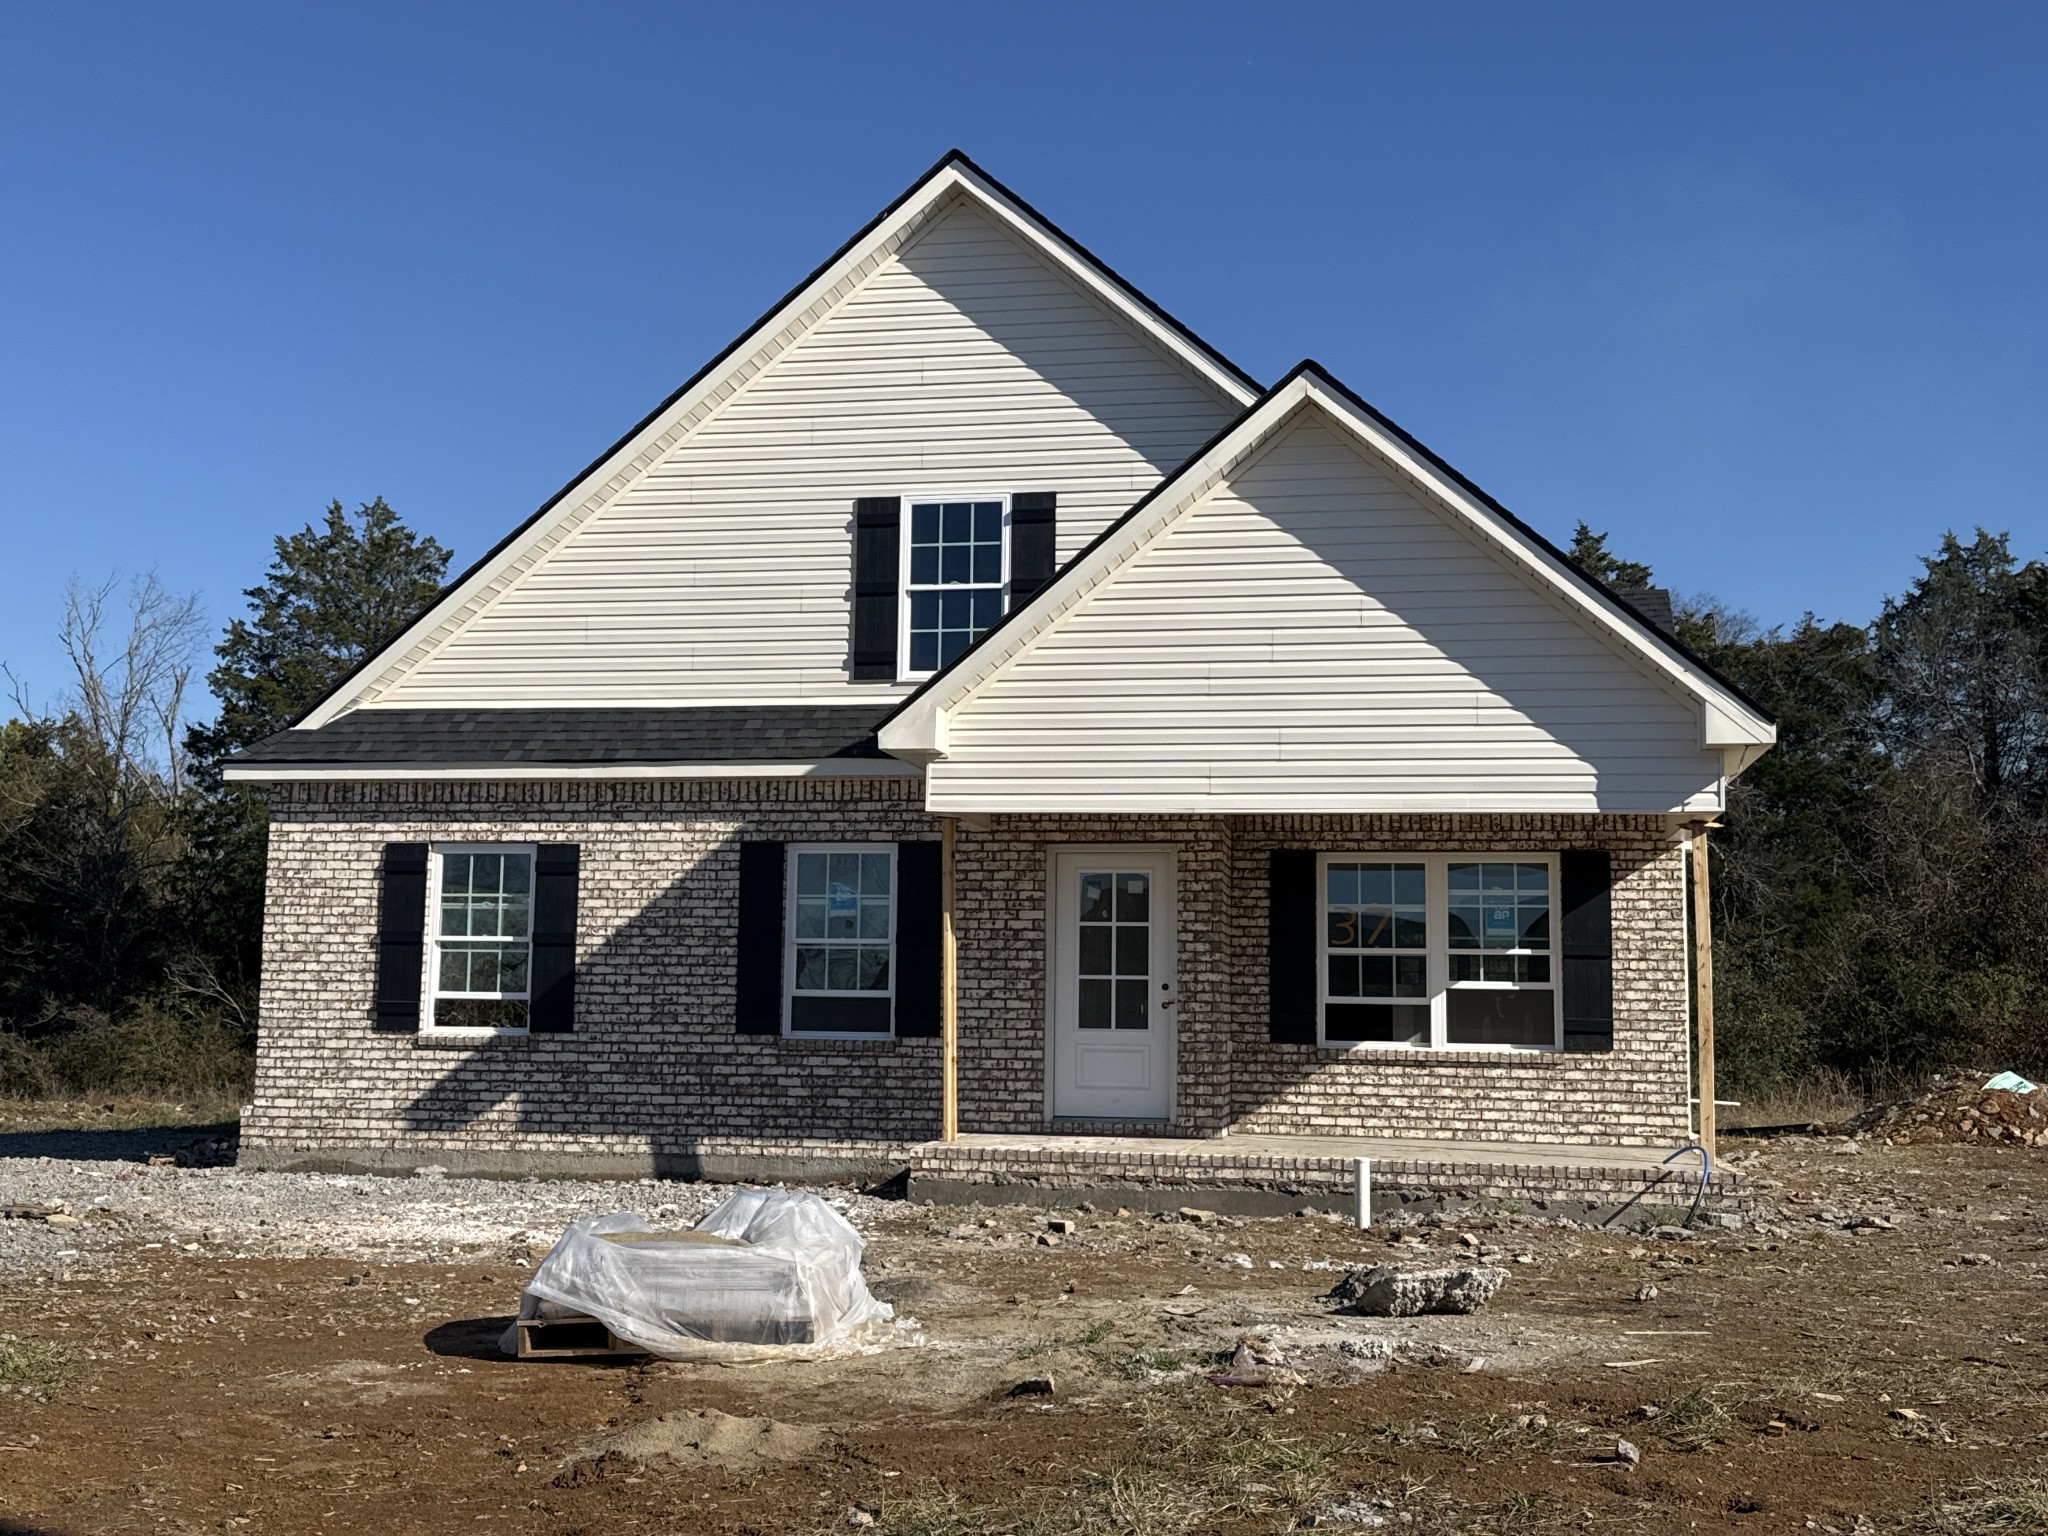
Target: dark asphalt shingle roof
(1654,604)
(779,733)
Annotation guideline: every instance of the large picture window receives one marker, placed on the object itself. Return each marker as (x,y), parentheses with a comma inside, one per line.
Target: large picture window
(840,954)
(480,951)
(1440,950)
(955,567)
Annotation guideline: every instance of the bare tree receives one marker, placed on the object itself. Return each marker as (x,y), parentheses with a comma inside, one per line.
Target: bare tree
(130,682)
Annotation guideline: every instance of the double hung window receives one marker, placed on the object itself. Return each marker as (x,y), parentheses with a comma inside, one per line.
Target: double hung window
(480,950)
(955,568)
(1439,950)
(839,962)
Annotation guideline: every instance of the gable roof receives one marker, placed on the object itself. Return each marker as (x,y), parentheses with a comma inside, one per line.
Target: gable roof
(1731,721)
(954,175)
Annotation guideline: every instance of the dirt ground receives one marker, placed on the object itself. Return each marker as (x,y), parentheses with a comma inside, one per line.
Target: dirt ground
(1868,1360)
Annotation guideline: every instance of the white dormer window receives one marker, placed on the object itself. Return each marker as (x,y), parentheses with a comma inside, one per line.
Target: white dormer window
(955,569)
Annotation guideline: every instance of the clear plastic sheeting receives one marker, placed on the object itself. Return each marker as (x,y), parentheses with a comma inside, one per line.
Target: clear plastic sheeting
(769,1273)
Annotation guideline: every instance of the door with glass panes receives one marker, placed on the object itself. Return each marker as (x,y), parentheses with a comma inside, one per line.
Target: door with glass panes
(1112,986)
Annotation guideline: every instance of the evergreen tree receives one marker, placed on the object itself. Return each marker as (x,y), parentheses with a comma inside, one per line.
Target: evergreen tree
(1590,554)
(1965,661)
(333,594)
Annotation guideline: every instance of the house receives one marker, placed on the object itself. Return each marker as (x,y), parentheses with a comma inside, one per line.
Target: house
(972,702)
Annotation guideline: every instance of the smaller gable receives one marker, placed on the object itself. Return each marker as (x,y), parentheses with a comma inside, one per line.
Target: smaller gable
(1306,618)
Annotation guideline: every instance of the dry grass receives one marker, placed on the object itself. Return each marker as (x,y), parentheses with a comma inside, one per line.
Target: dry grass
(32,1362)
(1693,1421)
(1823,1097)
(1190,1472)
(2017,1505)
(117,1112)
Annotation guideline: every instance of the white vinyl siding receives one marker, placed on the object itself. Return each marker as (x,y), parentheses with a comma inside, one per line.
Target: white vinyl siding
(722,573)
(1312,636)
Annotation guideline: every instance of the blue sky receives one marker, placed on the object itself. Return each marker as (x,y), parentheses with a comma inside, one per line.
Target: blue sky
(1758,288)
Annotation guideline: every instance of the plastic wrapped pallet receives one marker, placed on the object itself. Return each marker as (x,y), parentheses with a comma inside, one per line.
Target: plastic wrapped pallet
(768,1272)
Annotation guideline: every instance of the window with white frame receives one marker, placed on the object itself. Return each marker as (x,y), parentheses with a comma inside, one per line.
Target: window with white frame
(955,564)
(480,950)
(839,964)
(1439,951)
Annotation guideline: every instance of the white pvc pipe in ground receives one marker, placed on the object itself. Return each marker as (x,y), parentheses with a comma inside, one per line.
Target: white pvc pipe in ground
(1361,1191)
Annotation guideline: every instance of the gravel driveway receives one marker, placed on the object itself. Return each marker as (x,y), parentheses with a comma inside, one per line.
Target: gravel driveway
(103,1208)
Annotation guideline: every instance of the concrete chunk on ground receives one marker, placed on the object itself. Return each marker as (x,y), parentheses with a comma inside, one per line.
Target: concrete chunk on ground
(1380,1290)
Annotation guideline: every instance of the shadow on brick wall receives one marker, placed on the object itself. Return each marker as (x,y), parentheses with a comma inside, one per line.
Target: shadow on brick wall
(655,1057)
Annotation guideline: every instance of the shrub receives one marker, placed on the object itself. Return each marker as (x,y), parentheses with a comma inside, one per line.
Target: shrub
(148,1051)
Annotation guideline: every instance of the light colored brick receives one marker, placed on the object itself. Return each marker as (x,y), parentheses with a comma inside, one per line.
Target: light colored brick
(654,1064)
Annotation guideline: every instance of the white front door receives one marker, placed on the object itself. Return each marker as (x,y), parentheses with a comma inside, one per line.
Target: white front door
(1112,991)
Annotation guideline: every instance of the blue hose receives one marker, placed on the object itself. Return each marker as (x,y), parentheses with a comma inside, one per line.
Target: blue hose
(1706,1175)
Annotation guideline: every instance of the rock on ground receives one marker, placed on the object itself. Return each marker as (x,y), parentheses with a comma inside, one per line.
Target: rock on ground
(1379,1290)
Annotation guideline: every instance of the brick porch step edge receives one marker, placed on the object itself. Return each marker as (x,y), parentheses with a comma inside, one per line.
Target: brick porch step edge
(1326,1179)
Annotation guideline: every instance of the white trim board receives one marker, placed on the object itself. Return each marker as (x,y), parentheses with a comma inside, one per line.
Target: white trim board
(829,768)
(691,407)
(1728,724)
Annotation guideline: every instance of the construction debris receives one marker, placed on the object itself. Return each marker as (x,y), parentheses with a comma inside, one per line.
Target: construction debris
(1956,1110)
(1257,1363)
(1380,1290)
(769,1271)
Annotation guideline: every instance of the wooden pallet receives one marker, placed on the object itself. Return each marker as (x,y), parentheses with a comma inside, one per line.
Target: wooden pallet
(570,1338)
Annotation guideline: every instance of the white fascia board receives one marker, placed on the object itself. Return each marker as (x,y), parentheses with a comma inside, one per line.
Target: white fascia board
(918,733)
(950,179)
(828,768)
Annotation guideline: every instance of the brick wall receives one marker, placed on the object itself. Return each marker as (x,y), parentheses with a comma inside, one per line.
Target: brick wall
(1230,1075)
(1636,1094)
(654,1062)
(655,1066)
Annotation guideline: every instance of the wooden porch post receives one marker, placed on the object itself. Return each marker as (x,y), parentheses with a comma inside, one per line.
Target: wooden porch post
(1703,980)
(949,987)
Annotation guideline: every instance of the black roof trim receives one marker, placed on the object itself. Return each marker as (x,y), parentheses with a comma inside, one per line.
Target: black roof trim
(951,157)
(725,733)
(1309,365)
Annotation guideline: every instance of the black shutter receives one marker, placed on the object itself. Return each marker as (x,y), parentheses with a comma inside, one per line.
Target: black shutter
(918,915)
(401,937)
(758,1009)
(876,579)
(1587,947)
(1292,954)
(1034,554)
(552,979)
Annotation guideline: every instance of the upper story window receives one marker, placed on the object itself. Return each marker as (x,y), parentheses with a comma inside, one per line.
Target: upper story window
(480,950)
(955,567)
(1439,951)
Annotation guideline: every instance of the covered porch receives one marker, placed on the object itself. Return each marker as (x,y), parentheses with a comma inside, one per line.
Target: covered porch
(1152,979)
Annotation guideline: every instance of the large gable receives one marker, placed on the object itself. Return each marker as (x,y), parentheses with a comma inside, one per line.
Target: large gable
(959,345)
(1299,622)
